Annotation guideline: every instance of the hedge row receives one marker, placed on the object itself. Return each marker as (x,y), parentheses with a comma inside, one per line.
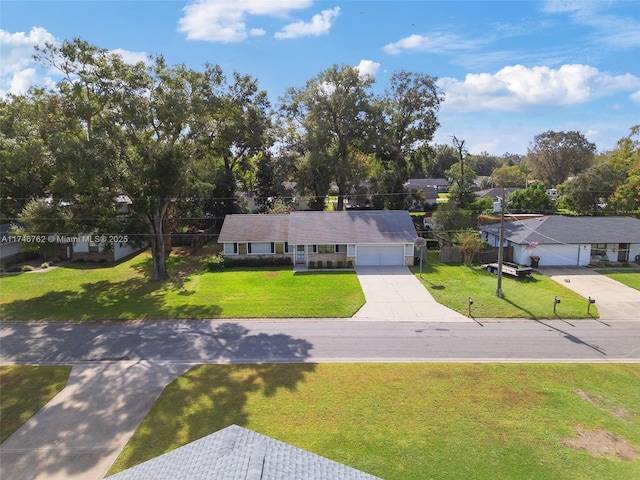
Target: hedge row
(220,262)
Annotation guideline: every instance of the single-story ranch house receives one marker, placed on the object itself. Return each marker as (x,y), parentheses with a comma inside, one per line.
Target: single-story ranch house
(357,237)
(560,240)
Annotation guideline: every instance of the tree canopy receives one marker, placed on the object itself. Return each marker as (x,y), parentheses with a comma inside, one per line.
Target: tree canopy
(554,156)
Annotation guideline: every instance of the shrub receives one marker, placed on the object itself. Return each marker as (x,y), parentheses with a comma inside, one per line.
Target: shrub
(349,263)
(329,264)
(27,268)
(45,265)
(230,262)
(215,263)
(319,263)
(312,264)
(340,264)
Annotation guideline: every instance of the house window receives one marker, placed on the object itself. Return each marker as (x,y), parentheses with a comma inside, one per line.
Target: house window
(312,248)
(261,247)
(598,249)
(341,249)
(93,247)
(326,248)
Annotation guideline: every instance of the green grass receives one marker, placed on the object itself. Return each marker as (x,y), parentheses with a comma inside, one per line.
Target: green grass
(24,390)
(123,291)
(410,421)
(452,285)
(631,278)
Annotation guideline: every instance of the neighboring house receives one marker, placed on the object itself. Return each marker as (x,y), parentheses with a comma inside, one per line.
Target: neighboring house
(238,453)
(560,240)
(440,184)
(10,249)
(362,237)
(430,193)
(107,248)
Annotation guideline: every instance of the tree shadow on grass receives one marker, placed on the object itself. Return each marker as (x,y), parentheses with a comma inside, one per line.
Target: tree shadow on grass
(134,298)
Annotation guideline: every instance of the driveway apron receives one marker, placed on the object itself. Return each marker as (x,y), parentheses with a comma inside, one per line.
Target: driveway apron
(394,293)
(615,301)
(81,431)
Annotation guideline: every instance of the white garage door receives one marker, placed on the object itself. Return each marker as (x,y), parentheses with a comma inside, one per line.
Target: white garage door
(380,255)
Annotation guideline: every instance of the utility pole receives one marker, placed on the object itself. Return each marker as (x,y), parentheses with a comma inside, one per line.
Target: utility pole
(501,246)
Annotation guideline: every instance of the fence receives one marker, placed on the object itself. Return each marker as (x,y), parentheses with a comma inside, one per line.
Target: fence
(454,255)
(194,241)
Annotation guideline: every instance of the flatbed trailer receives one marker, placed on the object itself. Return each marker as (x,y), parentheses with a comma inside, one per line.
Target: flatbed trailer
(509,268)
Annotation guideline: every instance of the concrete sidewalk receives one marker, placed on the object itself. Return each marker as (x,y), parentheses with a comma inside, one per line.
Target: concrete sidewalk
(82,430)
(615,301)
(395,294)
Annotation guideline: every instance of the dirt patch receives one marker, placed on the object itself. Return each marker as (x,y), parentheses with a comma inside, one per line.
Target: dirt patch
(601,443)
(620,413)
(272,274)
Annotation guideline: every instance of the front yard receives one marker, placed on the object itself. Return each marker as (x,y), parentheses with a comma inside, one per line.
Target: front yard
(453,285)
(629,277)
(416,421)
(81,291)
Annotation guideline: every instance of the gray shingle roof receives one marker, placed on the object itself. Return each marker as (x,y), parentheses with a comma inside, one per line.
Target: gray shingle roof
(308,228)
(558,229)
(236,453)
(255,228)
(357,226)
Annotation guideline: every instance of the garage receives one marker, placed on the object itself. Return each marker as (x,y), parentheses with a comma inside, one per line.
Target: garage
(380,255)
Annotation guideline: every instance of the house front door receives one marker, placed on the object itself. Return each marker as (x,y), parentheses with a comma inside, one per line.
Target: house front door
(623,252)
(300,254)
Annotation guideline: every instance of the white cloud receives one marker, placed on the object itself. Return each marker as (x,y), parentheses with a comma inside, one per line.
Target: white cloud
(319,25)
(515,87)
(635,97)
(437,42)
(17,66)
(368,67)
(225,20)
(17,49)
(131,57)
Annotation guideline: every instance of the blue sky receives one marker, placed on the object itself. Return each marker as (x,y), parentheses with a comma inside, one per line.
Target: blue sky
(509,69)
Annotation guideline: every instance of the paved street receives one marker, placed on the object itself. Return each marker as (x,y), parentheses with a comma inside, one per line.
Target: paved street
(213,341)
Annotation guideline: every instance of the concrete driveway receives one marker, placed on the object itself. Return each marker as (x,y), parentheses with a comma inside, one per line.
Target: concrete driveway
(614,300)
(394,293)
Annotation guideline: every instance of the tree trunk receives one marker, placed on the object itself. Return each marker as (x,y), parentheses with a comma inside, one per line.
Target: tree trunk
(160,273)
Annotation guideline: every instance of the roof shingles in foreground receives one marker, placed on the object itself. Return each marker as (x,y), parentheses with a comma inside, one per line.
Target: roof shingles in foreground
(236,453)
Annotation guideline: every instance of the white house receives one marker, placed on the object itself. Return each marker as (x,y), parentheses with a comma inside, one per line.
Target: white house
(356,237)
(560,240)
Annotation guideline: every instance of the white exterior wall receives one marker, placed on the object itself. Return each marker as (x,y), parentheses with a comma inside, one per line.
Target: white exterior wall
(8,249)
(560,255)
(121,250)
(634,251)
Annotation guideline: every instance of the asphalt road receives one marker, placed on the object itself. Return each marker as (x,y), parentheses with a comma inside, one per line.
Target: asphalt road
(321,340)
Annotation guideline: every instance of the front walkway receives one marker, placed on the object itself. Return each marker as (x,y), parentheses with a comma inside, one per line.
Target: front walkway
(615,301)
(395,294)
(81,431)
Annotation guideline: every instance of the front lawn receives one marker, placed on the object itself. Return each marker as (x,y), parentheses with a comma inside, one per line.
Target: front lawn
(416,421)
(631,278)
(24,390)
(453,285)
(80,291)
